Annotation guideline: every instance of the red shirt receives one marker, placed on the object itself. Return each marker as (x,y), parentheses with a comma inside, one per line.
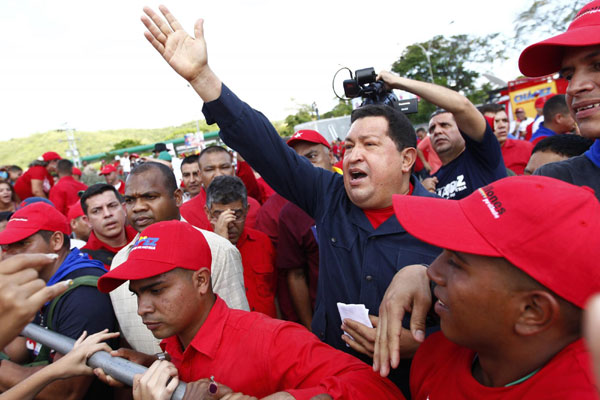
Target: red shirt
(246,174)
(297,247)
(442,370)
(267,220)
(260,279)
(257,355)
(378,216)
(38,172)
(266,191)
(121,187)
(94,243)
(193,211)
(516,154)
(430,155)
(65,193)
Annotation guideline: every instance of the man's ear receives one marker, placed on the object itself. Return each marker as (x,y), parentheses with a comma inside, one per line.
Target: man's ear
(201,279)
(409,156)
(56,241)
(332,160)
(539,310)
(178,195)
(85,219)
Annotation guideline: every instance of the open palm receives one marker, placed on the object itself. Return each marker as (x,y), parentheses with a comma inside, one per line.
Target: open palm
(185,54)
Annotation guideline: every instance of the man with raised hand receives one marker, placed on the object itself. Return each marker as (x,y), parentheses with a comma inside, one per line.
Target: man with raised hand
(361,243)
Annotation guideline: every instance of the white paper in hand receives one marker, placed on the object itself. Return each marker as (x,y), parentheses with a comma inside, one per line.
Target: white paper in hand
(356,312)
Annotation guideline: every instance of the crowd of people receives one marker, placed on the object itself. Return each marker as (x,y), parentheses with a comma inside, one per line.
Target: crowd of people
(451,262)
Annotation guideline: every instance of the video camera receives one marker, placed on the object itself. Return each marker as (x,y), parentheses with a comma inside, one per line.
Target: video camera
(365,85)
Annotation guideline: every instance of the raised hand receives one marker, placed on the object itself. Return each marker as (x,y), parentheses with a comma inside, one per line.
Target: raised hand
(185,54)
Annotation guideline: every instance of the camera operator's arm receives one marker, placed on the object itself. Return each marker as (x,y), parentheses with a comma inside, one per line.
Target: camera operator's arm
(468,119)
(185,54)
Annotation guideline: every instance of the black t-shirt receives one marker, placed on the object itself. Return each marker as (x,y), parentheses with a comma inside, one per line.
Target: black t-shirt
(480,164)
(579,170)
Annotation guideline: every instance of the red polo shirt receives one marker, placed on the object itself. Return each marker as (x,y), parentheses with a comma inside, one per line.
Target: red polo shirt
(442,370)
(193,211)
(258,356)
(516,154)
(65,193)
(260,278)
(23,184)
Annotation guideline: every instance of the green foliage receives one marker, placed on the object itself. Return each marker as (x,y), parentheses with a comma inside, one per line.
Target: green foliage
(123,144)
(342,108)
(304,114)
(546,17)
(452,61)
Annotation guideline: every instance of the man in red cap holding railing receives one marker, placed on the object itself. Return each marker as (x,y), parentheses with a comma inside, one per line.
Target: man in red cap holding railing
(169,272)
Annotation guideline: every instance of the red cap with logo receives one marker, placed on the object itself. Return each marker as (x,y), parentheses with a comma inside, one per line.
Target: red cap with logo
(107,169)
(545,57)
(31,219)
(547,228)
(307,135)
(161,247)
(50,156)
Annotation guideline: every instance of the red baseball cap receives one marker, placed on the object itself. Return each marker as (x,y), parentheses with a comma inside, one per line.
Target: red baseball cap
(76,171)
(545,57)
(161,247)
(75,211)
(51,155)
(307,135)
(29,220)
(547,228)
(107,169)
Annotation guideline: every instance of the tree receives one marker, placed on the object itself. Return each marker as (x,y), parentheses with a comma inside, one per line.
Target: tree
(343,107)
(452,60)
(547,17)
(304,114)
(123,144)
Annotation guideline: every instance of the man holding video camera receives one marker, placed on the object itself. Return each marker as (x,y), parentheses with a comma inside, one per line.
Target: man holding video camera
(470,153)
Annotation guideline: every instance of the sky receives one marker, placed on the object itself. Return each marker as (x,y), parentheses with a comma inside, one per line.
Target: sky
(87,66)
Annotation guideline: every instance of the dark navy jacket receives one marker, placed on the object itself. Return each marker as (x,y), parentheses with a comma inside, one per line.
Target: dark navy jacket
(357,263)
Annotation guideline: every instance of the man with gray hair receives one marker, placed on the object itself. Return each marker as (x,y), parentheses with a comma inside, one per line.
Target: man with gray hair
(226,209)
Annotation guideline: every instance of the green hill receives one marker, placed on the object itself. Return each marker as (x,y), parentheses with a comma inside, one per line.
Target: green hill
(21,151)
